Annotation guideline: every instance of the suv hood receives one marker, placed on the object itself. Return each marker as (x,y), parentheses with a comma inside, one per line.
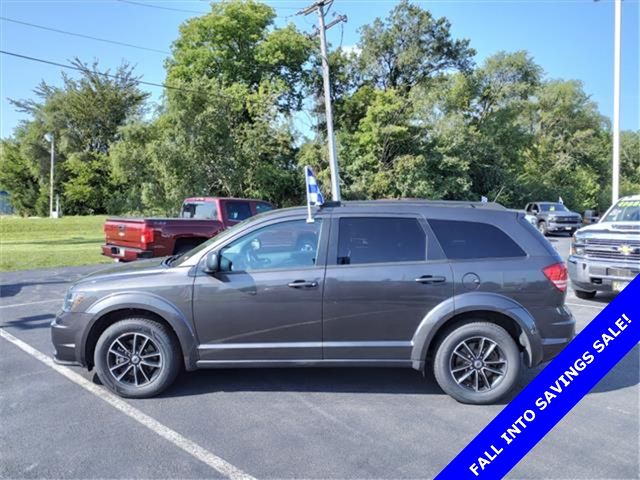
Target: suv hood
(564,214)
(125,271)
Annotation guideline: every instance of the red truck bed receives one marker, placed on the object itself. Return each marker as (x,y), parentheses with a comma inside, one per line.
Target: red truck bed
(129,239)
(132,238)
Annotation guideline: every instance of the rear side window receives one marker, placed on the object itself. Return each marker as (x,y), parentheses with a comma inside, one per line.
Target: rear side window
(380,240)
(238,211)
(206,210)
(466,240)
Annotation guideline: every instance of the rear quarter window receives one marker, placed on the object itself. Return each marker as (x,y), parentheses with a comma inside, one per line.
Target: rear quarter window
(462,240)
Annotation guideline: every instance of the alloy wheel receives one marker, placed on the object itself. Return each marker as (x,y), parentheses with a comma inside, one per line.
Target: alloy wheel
(478,364)
(134,359)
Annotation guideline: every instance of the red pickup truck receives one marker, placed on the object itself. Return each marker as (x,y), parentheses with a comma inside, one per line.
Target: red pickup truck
(201,218)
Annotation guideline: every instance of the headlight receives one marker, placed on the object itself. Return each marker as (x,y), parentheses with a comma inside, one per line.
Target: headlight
(577,245)
(552,218)
(71,300)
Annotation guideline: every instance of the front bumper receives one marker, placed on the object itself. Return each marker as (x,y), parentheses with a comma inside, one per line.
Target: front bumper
(66,335)
(563,227)
(592,275)
(125,254)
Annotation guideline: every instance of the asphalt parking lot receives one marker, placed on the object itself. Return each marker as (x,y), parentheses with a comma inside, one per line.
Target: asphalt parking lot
(278,423)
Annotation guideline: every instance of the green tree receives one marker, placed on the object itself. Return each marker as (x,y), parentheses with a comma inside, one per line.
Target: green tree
(630,163)
(84,115)
(572,146)
(18,178)
(236,43)
(409,47)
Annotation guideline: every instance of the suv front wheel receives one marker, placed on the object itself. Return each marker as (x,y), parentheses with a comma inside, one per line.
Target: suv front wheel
(137,358)
(477,363)
(542,227)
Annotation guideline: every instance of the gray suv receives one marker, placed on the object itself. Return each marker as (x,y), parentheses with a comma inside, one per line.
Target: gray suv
(469,291)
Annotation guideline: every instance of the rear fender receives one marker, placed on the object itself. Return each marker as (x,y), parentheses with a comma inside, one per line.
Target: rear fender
(470,302)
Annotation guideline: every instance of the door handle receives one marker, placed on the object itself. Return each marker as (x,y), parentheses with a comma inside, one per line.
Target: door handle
(302,284)
(427,279)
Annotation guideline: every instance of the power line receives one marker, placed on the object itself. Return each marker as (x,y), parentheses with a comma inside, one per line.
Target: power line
(184,10)
(148,5)
(81,35)
(72,67)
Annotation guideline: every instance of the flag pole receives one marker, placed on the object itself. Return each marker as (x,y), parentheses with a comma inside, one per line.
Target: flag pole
(306,182)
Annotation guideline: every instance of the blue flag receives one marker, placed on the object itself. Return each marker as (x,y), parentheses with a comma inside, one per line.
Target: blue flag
(314,196)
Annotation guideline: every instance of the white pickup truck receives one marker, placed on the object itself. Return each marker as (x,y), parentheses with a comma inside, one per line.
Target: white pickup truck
(605,256)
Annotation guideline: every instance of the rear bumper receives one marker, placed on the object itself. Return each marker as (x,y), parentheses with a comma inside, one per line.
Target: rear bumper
(591,275)
(125,254)
(557,329)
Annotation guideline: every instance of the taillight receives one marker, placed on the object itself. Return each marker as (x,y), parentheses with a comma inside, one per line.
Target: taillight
(557,274)
(146,236)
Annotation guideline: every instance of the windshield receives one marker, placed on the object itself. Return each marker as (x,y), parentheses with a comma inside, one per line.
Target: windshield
(624,211)
(218,238)
(553,207)
(206,210)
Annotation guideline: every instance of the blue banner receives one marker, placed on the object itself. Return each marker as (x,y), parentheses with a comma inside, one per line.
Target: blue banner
(555,391)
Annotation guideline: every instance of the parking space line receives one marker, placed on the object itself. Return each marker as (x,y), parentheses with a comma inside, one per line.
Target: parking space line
(583,305)
(221,466)
(59,300)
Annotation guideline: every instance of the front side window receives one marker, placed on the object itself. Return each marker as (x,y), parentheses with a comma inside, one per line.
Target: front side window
(468,240)
(380,240)
(286,245)
(238,211)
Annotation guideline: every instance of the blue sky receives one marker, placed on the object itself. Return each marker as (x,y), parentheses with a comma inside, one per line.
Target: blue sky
(570,39)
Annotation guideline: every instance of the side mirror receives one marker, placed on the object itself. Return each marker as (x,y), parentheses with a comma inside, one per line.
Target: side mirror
(212,263)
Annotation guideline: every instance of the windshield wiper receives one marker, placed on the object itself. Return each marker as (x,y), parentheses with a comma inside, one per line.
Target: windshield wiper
(172,258)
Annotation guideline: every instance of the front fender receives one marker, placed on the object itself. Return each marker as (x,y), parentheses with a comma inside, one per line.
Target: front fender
(476,302)
(154,304)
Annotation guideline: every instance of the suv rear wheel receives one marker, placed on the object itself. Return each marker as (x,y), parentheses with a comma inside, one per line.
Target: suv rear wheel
(137,358)
(477,363)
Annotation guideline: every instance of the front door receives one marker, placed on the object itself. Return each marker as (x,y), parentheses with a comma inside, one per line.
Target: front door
(266,302)
(384,275)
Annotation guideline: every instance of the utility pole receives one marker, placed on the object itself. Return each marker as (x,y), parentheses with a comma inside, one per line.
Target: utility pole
(50,138)
(615,190)
(333,160)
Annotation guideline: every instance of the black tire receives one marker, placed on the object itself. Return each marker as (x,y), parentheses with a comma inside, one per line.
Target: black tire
(161,348)
(542,227)
(467,391)
(584,295)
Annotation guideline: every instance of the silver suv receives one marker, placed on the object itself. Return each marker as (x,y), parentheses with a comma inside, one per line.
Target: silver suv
(605,256)
(468,291)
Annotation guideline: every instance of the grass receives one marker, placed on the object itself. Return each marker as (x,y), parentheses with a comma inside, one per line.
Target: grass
(28,243)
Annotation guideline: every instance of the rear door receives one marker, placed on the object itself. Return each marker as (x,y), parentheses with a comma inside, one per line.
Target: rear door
(384,274)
